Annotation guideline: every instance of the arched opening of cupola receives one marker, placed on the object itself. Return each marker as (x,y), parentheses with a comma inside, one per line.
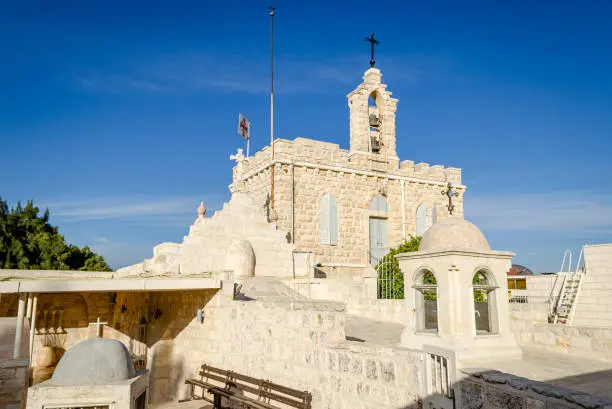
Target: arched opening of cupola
(426,301)
(375,122)
(485,304)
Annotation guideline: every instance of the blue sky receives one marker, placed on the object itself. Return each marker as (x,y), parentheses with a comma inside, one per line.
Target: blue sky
(120,116)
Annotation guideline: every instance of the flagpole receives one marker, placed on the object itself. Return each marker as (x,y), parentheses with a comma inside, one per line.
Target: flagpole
(272,107)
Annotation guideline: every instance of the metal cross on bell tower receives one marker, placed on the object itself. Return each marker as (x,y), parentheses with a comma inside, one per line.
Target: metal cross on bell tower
(372,41)
(450,193)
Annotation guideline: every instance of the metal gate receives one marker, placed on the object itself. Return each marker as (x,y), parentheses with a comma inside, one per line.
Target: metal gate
(389,286)
(440,373)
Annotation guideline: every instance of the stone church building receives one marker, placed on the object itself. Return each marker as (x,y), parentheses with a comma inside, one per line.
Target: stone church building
(348,207)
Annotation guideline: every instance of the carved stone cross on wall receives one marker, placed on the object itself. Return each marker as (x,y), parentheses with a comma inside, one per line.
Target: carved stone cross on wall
(238,157)
(450,193)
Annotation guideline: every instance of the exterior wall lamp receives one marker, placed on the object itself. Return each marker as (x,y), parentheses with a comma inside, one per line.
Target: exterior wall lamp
(200,315)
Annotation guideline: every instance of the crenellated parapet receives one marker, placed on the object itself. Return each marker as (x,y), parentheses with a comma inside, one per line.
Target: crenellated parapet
(329,156)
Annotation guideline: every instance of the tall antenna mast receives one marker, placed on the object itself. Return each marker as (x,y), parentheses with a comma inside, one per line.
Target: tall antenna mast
(272,212)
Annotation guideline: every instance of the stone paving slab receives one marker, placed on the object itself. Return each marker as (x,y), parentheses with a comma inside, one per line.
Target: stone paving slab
(360,329)
(192,404)
(581,374)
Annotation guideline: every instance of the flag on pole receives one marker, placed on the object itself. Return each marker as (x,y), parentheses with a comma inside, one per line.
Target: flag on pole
(244,127)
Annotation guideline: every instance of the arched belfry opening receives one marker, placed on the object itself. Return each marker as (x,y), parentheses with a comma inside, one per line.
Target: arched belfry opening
(372,120)
(375,121)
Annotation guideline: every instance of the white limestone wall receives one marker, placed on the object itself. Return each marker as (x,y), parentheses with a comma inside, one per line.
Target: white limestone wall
(594,306)
(529,323)
(301,345)
(326,289)
(540,287)
(206,248)
(397,311)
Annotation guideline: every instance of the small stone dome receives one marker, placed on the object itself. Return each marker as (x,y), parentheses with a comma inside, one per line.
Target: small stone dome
(241,259)
(96,361)
(454,234)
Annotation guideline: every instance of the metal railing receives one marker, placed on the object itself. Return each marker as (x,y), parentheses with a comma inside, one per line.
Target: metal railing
(440,374)
(389,284)
(529,299)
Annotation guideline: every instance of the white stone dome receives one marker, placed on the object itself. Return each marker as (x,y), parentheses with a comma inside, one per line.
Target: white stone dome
(454,234)
(96,361)
(241,259)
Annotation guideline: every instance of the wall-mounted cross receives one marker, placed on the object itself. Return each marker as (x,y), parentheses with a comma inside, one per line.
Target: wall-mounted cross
(450,193)
(372,41)
(98,324)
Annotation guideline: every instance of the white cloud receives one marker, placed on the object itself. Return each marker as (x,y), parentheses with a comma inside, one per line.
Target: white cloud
(116,84)
(119,254)
(162,209)
(249,73)
(563,211)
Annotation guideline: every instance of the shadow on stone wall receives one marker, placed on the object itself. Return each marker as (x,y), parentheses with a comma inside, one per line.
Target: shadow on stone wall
(166,373)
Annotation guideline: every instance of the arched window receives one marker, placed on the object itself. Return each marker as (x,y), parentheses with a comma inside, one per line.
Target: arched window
(328,219)
(485,305)
(421,220)
(426,302)
(379,204)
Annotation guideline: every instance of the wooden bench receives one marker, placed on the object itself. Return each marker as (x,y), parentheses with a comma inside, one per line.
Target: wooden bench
(245,391)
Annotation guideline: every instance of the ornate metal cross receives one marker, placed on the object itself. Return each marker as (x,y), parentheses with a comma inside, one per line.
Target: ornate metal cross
(372,41)
(450,193)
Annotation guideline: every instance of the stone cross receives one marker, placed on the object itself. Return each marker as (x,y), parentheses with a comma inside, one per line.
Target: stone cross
(372,41)
(450,193)
(238,157)
(98,325)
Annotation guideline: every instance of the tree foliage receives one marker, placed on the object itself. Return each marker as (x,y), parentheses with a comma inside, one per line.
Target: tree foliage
(28,241)
(390,277)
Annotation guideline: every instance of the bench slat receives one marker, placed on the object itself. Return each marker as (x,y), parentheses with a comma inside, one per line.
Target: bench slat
(286,390)
(213,376)
(268,394)
(263,389)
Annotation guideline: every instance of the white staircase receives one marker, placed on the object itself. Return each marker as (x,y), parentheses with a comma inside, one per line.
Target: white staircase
(566,304)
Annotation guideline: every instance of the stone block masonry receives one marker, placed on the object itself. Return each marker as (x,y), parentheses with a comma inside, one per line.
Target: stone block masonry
(594,304)
(206,249)
(488,389)
(301,345)
(305,170)
(353,187)
(13,378)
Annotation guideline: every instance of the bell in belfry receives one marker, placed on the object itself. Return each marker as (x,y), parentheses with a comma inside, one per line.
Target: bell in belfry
(373,121)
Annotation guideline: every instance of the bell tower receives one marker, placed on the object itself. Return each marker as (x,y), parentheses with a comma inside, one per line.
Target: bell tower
(372,118)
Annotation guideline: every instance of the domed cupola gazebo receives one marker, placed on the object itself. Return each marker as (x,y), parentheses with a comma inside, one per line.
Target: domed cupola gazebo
(95,373)
(456,289)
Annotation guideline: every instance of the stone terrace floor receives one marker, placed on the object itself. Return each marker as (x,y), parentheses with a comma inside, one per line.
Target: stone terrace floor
(372,332)
(577,373)
(568,371)
(192,404)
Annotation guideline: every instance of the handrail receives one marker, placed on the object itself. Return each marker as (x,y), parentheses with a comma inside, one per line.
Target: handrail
(565,253)
(579,259)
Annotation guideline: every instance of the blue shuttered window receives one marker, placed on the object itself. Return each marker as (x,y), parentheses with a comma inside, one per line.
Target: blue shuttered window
(328,219)
(421,220)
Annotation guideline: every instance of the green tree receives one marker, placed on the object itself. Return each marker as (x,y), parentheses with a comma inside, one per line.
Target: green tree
(390,277)
(28,241)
